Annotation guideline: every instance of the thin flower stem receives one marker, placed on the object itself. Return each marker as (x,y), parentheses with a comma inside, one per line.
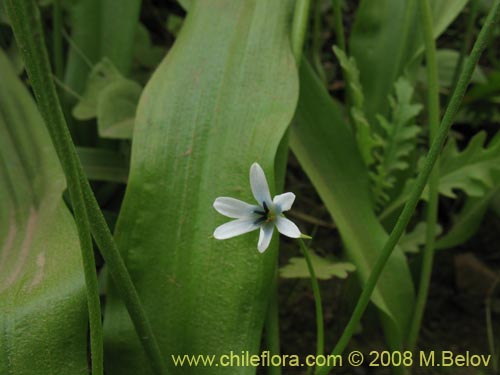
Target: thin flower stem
(432,205)
(272,326)
(317,299)
(316,41)
(469,34)
(57,38)
(339,27)
(27,29)
(420,182)
(27,26)
(299,27)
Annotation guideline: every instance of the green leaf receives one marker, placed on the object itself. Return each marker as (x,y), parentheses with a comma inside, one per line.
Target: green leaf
(327,151)
(102,75)
(118,30)
(103,164)
(399,140)
(468,220)
(112,99)
(385,38)
(324,268)
(43,311)
(186,4)
(145,53)
(365,137)
(351,74)
(447,60)
(472,170)
(411,241)
(204,117)
(116,108)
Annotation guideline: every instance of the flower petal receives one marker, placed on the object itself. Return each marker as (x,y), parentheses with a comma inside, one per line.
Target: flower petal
(266,233)
(235,228)
(287,227)
(283,202)
(258,182)
(235,208)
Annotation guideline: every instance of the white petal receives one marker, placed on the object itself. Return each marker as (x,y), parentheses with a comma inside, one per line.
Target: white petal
(235,228)
(258,182)
(266,233)
(287,227)
(283,202)
(235,208)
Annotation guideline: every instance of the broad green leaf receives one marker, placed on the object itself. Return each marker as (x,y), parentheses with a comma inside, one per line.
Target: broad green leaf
(43,313)
(398,141)
(221,100)
(447,60)
(327,151)
(324,268)
(385,38)
(103,164)
(186,4)
(116,108)
(472,170)
(84,50)
(100,28)
(118,29)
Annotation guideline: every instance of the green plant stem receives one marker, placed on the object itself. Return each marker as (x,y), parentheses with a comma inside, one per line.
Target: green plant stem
(299,27)
(316,42)
(420,182)
(272,327)
(28,31)
(27,28)
(432,205)
(317,299)
(339,27)
(57,38)
(469,31)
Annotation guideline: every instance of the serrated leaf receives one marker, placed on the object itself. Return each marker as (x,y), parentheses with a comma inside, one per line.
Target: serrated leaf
(365,136)
(471,170)
(412,241)
(366,139)
(467,221)
(116,108)
(398,141)
(351,74)
(324,268)
(43,311)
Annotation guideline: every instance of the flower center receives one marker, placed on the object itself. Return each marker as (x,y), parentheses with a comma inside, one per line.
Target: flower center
(266,216)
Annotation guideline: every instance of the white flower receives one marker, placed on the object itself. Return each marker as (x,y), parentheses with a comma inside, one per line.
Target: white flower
(265,215)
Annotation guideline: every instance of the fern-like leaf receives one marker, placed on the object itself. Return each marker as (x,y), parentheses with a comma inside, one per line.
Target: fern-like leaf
(365,136)
(473,170)
(399,140)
